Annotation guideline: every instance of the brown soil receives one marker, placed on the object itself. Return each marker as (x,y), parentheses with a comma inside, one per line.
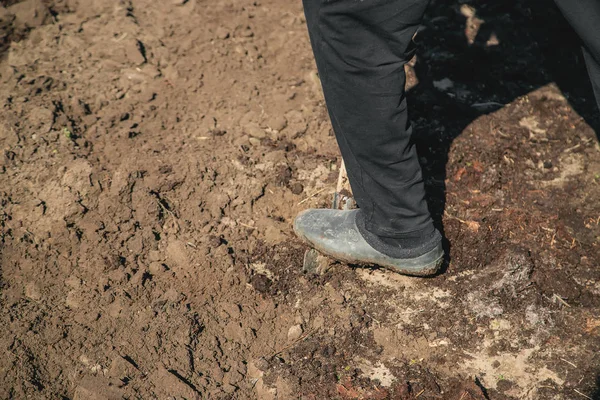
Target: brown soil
(154,154)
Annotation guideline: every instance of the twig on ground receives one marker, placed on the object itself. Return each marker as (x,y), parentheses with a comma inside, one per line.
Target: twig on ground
(370,316)
(569,362)
(246,225)
(420,393)
(472,225)
(302,338)
(466,393)
(342,176)
(584,395)
(570,149)
(560,299)
(312,195)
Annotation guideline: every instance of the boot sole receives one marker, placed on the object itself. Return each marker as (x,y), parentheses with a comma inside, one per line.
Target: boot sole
(428,264)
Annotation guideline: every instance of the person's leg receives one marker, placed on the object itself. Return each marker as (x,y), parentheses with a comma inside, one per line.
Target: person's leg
(593,66)
(584,17)
(361,48)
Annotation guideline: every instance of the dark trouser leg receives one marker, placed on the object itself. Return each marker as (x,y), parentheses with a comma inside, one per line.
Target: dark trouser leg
(584,17)
(361,48)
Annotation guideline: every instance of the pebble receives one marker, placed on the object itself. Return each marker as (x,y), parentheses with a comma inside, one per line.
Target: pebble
(72,300)
(254,130)
(41,118)
(222,33)
(133,51)
(297,188)
(156,268)
(262,364)
(297,125)
(295,332)
(277,122)
(33,291)
(246,32)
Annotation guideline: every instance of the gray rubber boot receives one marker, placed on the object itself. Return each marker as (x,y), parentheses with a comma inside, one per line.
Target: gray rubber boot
(335,234)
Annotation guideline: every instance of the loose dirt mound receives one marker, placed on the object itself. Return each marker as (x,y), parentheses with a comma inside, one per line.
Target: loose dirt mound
(155,153)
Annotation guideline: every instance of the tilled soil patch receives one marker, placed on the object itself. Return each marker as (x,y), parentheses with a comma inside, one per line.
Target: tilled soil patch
(154,155)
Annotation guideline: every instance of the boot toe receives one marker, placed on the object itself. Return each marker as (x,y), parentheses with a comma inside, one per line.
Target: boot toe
(334,233)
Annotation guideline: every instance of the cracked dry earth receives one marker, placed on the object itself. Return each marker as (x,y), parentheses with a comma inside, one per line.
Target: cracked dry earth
(154,154)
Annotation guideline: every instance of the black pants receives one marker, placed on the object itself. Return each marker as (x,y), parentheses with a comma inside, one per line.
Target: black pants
(584,17)
(361,47)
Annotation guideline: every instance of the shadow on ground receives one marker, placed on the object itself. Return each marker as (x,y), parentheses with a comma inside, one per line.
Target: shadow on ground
(512,51)
(475,57)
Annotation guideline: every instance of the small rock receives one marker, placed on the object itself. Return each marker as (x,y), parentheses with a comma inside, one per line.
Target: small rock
(72,300)
(156,268)
(295,332)
(134,52)
(254,130)
(254,141)
(246,32)
(313,78)
(296,188)
(229,388)
(41,119)
(262,364)
(297,125)
(120,368)
(115,309)
(529,162)
(117,275)
(222,33)
(171,295)
(32,291)
(249,117)
(73,282)
(154,255)
(277,122)
(315,263)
